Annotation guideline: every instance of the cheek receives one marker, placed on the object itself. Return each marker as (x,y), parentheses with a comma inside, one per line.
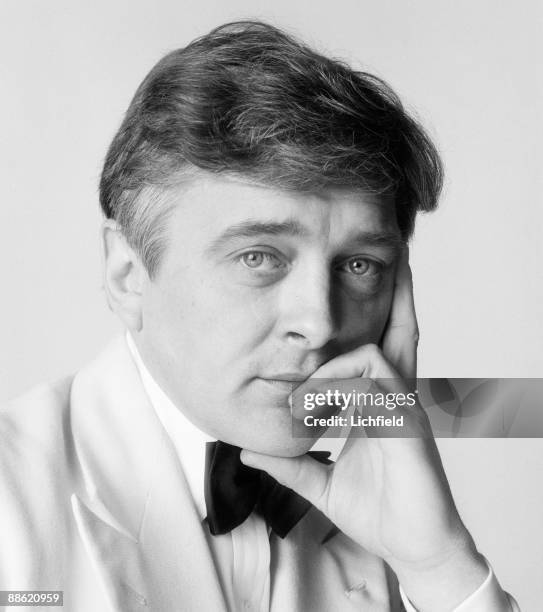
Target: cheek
(363,321)
(175,318)
(212,321)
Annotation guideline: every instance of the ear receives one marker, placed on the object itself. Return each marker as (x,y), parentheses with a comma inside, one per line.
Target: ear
(124,276)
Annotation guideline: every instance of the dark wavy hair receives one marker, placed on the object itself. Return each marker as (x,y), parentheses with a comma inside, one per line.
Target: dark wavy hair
(249,100)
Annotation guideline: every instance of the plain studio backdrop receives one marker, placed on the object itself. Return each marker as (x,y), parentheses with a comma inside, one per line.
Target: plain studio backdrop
(470,70)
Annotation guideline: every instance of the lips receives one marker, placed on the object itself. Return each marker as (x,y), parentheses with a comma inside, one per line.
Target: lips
(284,386)
(290,377)
(284,383)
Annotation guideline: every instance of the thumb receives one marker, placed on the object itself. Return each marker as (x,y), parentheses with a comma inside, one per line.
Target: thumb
(304,475)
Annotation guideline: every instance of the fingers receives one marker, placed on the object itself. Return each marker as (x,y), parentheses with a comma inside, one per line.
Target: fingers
(308,477)
(402,333)
(363,403)
(311,396)
(366,361)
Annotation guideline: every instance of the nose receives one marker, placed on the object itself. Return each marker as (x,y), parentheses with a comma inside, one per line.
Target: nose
(308,315)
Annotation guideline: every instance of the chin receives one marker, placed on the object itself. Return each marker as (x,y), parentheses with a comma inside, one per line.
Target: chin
(294,448)
(279,445)
(266,429)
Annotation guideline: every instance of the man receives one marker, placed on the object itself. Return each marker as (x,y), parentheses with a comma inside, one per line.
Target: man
(258,199)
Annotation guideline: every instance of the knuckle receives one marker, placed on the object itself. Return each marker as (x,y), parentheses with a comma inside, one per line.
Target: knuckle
(411,333)
(373,350)
(421,419)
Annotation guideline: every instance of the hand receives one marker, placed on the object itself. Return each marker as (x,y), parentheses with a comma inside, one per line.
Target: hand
(391,495)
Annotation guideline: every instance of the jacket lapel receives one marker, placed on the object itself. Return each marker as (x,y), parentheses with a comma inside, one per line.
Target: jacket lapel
(132,504)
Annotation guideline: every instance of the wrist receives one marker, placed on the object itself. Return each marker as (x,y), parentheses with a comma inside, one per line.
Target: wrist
(442,583)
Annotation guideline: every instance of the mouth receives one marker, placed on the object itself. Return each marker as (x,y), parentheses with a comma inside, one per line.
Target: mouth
(284,382)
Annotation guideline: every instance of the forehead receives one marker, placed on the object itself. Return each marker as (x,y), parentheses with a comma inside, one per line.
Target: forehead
(209,206)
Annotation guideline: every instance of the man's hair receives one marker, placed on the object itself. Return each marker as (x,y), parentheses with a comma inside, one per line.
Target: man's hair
(250,101)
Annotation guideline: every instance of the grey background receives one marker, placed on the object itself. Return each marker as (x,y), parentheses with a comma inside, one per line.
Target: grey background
(471,70)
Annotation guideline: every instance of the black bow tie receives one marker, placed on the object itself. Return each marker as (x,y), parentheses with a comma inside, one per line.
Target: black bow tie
(233,490)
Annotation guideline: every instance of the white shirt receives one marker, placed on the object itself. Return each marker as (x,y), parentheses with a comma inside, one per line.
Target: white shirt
(242,557)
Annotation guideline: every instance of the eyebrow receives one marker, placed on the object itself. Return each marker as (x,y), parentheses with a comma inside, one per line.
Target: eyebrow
(251,229)
(291,227)
(386,239)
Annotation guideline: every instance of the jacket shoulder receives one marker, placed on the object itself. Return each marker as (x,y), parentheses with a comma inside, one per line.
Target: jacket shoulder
(31,421)
(34,436)
(34,441)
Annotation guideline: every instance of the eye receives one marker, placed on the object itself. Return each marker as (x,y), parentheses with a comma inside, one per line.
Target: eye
(253,259)
(358,266)
(361,266)
(260,260)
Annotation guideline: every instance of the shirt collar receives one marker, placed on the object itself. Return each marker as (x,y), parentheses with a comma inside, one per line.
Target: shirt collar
(189,441)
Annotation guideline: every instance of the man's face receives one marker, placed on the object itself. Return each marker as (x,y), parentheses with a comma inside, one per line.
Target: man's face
(257,288)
